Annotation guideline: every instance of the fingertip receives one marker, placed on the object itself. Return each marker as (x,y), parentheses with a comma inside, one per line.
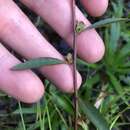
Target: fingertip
(95,53)
(68,86)
(22,85)
(62,77)
(94,7)
(32,92)
(90,46)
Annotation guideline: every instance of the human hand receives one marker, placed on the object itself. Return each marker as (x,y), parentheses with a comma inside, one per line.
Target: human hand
(17,32)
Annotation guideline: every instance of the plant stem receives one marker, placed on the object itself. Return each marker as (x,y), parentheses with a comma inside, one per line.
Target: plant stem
(74,67)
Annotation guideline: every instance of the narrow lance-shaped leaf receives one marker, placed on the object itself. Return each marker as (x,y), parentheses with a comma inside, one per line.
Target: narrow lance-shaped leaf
(105,22)
(94,116)
(37,63)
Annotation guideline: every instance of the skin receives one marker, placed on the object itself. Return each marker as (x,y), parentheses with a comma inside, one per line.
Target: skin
(17,32)
(94,7)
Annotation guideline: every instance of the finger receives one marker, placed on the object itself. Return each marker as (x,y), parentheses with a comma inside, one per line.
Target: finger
(95,8)
(26,40)
(58,13)
(23,85)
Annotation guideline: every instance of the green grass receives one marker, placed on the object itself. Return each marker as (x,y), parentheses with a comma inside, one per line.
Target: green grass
(106,83)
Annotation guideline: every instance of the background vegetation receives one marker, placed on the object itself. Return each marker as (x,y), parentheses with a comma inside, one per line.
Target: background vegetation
(106,84)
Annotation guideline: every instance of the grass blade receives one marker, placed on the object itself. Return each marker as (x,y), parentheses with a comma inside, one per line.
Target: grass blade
(36,63)
(94,116)
(117,86)
(105,22)
(21,114)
